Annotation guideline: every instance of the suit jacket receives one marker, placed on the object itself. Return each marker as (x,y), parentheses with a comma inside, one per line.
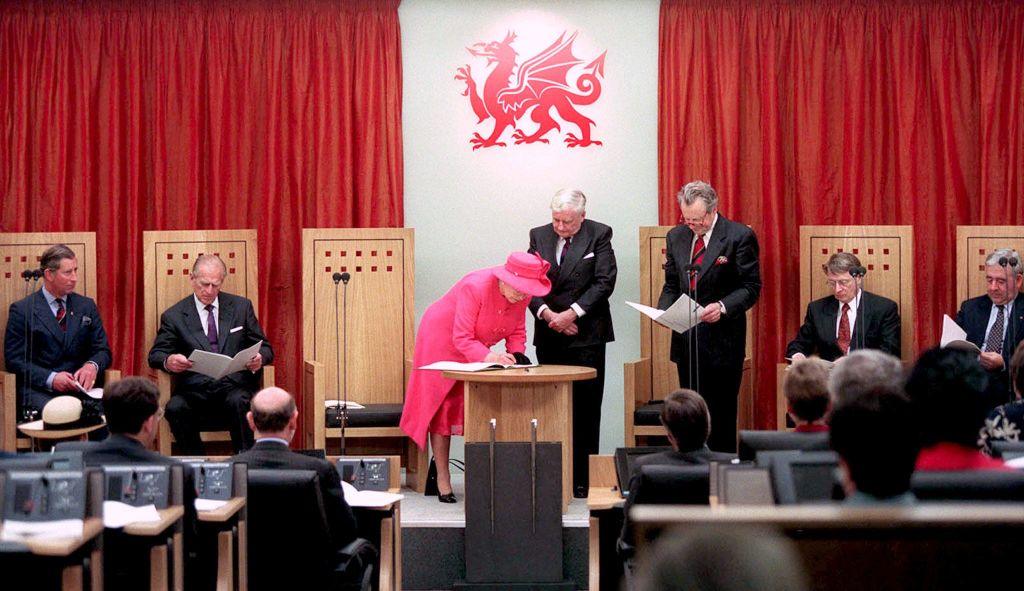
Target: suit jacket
(973,318)
(53,350)
(731,273)
(274,455)
(586,278)
(182,331)
(877,324)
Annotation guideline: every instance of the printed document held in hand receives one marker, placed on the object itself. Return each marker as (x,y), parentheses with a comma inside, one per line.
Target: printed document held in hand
(217,366)
(681,316)
(955,337)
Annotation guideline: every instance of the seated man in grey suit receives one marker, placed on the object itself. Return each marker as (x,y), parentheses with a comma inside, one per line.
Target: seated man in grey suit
(274,420)
(219,322)
(849,319)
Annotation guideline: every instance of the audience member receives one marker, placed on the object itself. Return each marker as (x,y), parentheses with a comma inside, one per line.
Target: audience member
(1006,421)
(806,389)
(722,559)
(862,372)
(946,390)
(877,444)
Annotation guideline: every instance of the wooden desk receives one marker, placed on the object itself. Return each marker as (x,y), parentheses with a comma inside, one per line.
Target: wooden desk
(513,397)
(72,574)
(229,561)
(604,503)
(159,561)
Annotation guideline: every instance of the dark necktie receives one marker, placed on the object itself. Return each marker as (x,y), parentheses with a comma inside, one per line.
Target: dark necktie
(565,249)
(211,329)
(696,257)
(844,330)
(994,342)
(62,320)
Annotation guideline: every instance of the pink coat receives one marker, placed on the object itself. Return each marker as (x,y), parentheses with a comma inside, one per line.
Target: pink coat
(461,326)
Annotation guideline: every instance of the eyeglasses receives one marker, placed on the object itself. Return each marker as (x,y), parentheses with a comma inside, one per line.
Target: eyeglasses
(844,283)
(699,220)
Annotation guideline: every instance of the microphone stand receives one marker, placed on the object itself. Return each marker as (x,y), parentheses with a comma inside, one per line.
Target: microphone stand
(28,414)
(1010,264)
(860,273)
(693,359)
(341,344)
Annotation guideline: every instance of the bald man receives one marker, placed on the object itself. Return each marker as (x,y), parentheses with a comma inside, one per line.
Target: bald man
(272,417)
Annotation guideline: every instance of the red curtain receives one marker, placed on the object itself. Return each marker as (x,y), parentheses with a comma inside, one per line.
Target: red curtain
(124,116)
(844,112)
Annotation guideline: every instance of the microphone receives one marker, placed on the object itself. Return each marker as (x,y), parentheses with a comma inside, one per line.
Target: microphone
(858,272)
(341,348)
(344,278)
(1008,261)
(337,277)
(28,274)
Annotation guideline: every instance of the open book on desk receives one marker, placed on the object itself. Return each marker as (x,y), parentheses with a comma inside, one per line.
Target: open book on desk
(955,337)
(478,366)
(681,316)
(217,365)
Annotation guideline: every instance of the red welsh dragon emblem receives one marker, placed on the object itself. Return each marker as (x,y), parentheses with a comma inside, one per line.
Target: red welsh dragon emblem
(541,87)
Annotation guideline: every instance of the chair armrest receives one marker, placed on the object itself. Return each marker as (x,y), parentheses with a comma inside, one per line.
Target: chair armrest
(268,376)
(636,377)
(314,414)
(163,386)
(111,375)
(8,412)
(357,546)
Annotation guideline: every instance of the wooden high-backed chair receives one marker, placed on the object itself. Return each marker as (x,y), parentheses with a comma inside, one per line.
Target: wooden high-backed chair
(167,259)
(19,252)
(649,379)
(375,318)
(886,251)
(973,245)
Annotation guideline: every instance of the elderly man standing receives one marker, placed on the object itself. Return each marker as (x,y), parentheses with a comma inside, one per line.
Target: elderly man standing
(55,342)
(995,321)
(574,321)
(726,281)
(219,322)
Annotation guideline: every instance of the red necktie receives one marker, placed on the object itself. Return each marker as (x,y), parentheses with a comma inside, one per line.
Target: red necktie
(696,257)
(844,330)
(61,313)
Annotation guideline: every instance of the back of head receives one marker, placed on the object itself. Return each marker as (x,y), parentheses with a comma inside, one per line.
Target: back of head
(806,389)
(128,402)
(946,390)
(722,559)
(272,410)
(864,371)
(875,434)
(685,416)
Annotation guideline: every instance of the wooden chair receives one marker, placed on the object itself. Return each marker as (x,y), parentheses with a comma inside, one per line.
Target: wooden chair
(973,245)
(19,252)
(167,259)
(886,251)
(649,379)
(375,317)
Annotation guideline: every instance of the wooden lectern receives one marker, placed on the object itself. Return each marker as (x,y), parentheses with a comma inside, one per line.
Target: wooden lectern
(515,396)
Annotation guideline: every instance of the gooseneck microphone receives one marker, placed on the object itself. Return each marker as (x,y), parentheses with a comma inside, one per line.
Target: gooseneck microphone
(341,344)
(27,414)
(860,272)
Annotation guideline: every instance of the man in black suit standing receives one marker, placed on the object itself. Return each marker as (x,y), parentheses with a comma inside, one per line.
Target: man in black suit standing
(219,322)
(66,348)
(849,319)
(274,419)
(726,281)
(995,322)
(574,321)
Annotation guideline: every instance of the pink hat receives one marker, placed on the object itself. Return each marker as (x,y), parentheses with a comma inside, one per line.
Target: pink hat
(526,273)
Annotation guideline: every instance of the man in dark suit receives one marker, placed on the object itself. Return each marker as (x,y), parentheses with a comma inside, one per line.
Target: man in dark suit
(214,321)
(54,342)
(574,321)
(995,322)
(849,319)
(726,282)
(686,419)
(274,419)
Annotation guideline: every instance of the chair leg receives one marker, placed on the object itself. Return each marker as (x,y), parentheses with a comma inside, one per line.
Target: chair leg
(416,464)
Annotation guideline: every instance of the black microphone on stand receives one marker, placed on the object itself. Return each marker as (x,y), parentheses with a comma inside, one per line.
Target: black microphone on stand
(1010,264)
(28,414)
(693,365)
(860,272)
(339,346)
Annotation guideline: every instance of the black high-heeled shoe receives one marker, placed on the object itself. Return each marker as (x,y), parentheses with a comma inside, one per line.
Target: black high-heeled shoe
(430,489)
(448,498)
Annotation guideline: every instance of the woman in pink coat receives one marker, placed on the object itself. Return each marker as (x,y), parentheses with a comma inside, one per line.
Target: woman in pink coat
(483,308)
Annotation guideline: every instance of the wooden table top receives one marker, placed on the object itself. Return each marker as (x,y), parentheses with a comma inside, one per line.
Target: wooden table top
(534,375)
(224,513)
(91,527)
(153,528)
(601,498)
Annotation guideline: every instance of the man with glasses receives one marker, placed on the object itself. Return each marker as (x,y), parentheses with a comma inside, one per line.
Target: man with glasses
(849,319)
(726,281)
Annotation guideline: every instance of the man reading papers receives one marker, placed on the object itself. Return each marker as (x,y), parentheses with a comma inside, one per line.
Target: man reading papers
(217,322)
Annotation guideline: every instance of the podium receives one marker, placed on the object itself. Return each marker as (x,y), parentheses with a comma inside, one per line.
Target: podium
(513,397)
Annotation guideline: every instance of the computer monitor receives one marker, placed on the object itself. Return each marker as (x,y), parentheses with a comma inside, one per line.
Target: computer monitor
(752,442)
(624,461)
(57,460)
(803,477)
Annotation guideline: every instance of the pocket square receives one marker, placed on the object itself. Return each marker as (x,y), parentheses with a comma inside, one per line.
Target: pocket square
(235,329)
(589,256)
(721,260)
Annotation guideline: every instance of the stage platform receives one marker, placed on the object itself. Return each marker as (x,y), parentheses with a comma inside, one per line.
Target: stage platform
(433,540)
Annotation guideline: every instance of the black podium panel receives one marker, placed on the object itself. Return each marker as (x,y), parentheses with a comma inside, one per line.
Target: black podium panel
(520,541)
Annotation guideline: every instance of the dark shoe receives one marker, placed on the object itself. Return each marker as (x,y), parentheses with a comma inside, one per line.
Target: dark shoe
(580,492)
(448,498)
(431,484)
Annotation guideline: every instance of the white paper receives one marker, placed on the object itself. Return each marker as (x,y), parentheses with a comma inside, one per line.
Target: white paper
(19,531)
(118,514)
(478,366)
(342,404)
(955,337)
(209,504)
(368,498)
(681,316)
(96,393)
(217,365)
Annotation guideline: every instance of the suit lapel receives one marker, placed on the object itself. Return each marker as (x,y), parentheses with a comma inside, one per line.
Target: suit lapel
(225,316)
(580,244)
(827,327)
(715,247)
(45,315)
(195,325)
